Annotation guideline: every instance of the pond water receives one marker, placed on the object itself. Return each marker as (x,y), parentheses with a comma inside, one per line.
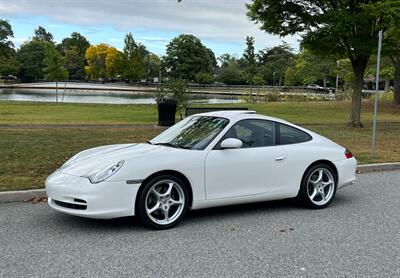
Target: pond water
(75,96)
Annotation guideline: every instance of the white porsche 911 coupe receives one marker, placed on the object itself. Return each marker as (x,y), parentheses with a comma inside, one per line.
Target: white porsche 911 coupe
(206,160)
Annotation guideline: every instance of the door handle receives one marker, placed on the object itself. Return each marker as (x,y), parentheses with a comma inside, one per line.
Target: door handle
(280,158)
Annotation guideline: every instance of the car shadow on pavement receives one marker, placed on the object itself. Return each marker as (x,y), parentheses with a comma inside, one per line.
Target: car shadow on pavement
(116,224)
(197,216)
(245,209)
(64,221)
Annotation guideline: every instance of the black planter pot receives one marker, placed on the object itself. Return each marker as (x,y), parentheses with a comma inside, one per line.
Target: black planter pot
(166,111)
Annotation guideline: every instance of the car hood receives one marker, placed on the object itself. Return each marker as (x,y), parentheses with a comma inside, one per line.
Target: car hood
(92,159)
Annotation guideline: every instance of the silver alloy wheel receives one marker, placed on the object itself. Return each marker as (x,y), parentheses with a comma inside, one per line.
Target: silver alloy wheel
(321,186)
(165,202)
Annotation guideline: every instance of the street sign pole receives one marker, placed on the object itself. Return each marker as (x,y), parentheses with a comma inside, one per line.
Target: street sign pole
(378,64)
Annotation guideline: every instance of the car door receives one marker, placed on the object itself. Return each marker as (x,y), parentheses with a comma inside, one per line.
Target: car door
(258,167)
(300,153)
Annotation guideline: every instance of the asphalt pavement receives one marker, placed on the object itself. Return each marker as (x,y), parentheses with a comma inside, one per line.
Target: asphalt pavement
(357,236)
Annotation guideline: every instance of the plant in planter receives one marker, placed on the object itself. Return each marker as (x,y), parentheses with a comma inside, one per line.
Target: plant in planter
(171,97)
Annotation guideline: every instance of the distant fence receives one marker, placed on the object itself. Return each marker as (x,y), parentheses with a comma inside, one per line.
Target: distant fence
(219,89)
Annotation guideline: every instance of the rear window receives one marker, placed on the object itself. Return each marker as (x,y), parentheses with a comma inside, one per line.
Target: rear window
(290,135)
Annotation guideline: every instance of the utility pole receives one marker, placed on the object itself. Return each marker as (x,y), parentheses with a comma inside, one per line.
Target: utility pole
(337,76)
(273,78)
(378,65)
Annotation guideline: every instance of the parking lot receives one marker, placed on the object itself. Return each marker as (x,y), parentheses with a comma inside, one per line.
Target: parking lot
(357,236)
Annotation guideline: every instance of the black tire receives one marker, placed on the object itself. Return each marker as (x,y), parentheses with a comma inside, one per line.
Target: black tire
(304,197)
(141,211)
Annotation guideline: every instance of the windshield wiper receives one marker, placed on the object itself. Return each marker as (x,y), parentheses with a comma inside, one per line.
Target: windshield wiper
(149,142)
(166,144)
(171,145)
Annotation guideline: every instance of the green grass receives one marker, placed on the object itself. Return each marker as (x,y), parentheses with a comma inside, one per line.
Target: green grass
(28,113)
(29,155)
(319,112)
(358,140)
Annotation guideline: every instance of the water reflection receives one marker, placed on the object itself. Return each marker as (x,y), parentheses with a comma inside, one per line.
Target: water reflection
(75,96)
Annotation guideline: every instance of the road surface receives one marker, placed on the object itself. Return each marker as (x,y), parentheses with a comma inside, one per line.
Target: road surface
(357,236)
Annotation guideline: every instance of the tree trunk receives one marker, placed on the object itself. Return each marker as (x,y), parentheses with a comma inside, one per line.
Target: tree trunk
(325,81)
(358,64)
(387,85)
(397,80)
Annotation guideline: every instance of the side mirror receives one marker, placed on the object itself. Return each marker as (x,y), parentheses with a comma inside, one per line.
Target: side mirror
(231,143)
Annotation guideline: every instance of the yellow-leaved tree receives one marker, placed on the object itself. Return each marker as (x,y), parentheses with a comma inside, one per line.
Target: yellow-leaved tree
(103,61)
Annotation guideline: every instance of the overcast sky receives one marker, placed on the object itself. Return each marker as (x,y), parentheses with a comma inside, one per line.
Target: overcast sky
(222,25)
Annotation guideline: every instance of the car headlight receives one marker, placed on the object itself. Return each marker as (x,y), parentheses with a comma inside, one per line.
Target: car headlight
(101,174)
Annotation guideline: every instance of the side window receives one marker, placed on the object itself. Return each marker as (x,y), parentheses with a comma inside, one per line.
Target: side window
(253,133)
(291,135)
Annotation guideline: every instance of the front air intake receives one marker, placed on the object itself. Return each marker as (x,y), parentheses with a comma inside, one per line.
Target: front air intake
(70,205)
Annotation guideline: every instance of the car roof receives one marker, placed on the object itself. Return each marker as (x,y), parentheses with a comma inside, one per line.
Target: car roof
(240,115)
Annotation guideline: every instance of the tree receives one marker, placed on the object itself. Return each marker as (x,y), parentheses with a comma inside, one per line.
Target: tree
(74,49)
(250,59)
(203,78)
(230,72)
(225,59)
(8,62)
(112,62)
(77,42)
(392,50)
(103,61)
(311,68)
(6,33)
(386,70)
(30,56)
(96,59)
(134,59)
(274,62)
(54,69)
(213,59)
(186,56)
(290,77)
(9,65)
(154,64)
(345,72)
(41,34)
(75,63)
(339,28)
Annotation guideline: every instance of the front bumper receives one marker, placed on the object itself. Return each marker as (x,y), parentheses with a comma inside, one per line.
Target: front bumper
(77,196)
(347,171)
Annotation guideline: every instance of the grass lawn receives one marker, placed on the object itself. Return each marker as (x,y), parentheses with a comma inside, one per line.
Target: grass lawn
(65,113)
(29,155)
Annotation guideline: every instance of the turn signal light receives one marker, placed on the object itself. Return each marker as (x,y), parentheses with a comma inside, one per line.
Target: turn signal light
(348,154)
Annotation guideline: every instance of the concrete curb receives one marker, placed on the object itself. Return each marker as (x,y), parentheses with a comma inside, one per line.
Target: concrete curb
(378,167)
(23,195)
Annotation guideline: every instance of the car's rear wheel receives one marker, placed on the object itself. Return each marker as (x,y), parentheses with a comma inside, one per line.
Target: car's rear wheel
(318,187)
(163,202)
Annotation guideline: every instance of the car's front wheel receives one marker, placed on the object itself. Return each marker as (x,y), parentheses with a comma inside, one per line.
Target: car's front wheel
(163,202)
(318,187)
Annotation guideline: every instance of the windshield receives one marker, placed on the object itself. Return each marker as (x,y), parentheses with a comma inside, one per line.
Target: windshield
(192,133)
